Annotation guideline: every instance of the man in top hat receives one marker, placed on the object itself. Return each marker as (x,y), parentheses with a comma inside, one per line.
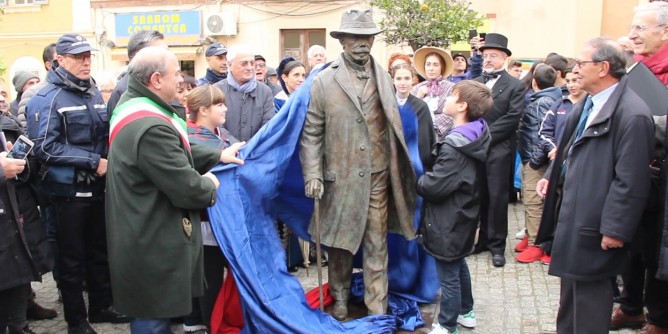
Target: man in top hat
(355,161)
(503,120)
(216,57)
(69,122)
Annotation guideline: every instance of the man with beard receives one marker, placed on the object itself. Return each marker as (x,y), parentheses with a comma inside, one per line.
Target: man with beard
(355,161)
(503,120)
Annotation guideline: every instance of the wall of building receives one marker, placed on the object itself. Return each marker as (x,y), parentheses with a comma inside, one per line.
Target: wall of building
(537,27)
(26,30)
(258,26)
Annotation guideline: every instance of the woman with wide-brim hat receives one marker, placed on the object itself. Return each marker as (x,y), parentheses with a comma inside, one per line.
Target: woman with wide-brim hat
(435,65)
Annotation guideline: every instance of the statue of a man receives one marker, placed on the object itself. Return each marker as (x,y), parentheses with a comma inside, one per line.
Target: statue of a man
(355,161)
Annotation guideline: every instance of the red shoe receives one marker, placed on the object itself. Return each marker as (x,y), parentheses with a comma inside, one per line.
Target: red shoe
(523,245)
(531,254)
(546,259)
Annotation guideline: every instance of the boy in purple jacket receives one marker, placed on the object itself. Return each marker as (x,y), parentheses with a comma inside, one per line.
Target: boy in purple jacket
(452,204)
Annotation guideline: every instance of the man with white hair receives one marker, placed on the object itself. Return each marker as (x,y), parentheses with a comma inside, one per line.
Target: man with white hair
(647,272)
(316,55)
(249,105)
(156,194)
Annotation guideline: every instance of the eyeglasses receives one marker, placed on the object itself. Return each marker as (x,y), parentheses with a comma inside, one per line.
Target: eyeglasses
(260,65)
(579,63)
(641,28)
(491,56)
(79,58)
(246,63)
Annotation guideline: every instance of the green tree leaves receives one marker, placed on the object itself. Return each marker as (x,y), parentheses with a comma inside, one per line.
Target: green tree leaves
(427,22)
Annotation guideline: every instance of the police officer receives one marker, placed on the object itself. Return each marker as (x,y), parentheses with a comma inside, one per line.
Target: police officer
(68,121)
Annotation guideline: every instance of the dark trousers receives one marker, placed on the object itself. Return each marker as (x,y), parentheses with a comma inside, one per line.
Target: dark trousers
(641,287)
(82,244)
(214,270)
(584,307)
(13,305)
(456,294)
(47,212)
(495,186)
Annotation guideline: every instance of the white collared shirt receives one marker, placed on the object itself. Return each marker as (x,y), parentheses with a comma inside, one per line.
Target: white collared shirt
(599,101)
(491,82)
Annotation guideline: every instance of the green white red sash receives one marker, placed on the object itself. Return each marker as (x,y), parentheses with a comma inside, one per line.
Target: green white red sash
(141,107)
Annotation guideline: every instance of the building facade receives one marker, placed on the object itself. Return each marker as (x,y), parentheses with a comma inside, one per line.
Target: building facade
(276,28)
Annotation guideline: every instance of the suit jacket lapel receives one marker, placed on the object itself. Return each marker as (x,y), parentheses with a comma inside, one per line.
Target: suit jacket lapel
(500,84)
(343,79)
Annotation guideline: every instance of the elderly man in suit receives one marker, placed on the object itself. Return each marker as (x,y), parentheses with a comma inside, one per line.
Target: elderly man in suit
(355,161)
(503,120)
(598,189)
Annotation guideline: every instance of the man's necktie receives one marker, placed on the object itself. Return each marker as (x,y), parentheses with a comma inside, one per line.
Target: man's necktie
(588,106)
(583,118)
(489,76)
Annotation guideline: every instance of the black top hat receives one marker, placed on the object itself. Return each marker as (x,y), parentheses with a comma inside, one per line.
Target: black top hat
(356,22)
(496,41)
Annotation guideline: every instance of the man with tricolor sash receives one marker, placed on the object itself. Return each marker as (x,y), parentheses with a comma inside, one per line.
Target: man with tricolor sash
(157,183)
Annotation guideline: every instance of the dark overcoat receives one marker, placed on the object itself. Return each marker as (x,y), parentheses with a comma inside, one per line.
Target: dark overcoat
(334,149)
(153,184)
(605,188)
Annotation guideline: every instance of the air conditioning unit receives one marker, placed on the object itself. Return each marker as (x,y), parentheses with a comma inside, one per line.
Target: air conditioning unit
(220,24)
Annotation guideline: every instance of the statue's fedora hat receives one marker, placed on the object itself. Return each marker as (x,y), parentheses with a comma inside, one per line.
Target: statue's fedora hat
(356,22)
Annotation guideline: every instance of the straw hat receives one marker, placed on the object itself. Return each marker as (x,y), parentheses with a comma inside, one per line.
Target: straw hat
(420,58)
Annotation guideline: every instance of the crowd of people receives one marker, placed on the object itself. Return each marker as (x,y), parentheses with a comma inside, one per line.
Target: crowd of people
(115,191)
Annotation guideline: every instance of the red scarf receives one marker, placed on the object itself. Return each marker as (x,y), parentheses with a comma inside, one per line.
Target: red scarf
(658,63)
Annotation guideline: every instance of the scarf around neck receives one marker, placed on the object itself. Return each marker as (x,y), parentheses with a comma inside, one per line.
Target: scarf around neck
(246,87)
(434,86)
(658,63)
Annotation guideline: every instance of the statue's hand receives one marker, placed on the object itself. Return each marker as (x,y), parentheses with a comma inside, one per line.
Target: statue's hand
(314,188)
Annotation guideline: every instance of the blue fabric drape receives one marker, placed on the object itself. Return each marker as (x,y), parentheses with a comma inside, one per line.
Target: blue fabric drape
(268,186)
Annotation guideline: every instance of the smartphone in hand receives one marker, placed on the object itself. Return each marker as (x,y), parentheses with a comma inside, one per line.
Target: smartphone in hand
(472,33)
(21,148)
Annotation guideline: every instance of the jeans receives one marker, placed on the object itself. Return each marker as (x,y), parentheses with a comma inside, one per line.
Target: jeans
(456,294)
(150,326)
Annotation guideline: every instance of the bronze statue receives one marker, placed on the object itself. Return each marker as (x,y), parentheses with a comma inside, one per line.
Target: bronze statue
(355,161)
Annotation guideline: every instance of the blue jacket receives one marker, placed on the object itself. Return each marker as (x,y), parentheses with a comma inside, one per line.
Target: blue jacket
(552,127)
(474,71)
(533,116)
(68,121)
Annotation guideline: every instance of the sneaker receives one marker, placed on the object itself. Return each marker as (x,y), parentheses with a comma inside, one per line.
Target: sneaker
(531,254)
(438,329)
(194,328)
(467,320)
(546,259)
(521,234)
(523,245)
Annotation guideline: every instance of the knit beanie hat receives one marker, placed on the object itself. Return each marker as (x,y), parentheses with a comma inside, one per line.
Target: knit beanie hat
(21,78)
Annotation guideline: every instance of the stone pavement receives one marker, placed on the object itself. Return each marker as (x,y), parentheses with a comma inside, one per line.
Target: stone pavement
(518,298)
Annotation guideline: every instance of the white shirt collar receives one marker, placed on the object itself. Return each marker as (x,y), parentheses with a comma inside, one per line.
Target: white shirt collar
(599,101)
